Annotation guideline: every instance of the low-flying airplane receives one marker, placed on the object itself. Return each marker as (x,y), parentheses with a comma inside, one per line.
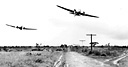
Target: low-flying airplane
(77,13)
(21,27)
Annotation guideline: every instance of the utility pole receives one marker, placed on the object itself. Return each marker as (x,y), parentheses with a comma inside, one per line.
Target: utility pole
(91,39)
(82,41)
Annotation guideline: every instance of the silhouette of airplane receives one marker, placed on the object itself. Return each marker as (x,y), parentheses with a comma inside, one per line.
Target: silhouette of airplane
(77,13)
(21,27)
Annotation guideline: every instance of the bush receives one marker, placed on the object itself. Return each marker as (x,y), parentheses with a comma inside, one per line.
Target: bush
(97,53)
(114,54)
(103,54)
(84,50)
(94,53)
(108,53)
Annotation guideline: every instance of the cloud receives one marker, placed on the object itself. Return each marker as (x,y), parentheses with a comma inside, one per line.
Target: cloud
(120,35)
(114,31)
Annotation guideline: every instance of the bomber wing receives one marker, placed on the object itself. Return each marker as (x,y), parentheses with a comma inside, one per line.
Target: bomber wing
(28,28)
(89,15)
(10,25)
(65,8)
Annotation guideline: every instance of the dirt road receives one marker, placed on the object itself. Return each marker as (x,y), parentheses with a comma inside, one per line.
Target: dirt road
(115,61)
(77,60)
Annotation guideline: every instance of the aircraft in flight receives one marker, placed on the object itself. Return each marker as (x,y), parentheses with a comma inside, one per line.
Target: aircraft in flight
(21,27)
(77,13)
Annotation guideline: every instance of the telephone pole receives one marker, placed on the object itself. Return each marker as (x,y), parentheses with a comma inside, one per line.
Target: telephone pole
(91,39)
(82,41)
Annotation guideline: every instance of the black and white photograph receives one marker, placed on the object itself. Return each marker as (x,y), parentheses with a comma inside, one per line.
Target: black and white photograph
(63,33)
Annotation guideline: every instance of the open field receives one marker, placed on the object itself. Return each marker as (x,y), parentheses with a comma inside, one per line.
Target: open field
(123,62)
(102,52)
(47,57)
(25,59)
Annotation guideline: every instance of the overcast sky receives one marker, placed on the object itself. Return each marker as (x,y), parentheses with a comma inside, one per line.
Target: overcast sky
(56,26)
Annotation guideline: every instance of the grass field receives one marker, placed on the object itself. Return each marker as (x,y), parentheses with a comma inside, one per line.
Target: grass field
(123,62)
(47,57)
(100,53)
(17,59)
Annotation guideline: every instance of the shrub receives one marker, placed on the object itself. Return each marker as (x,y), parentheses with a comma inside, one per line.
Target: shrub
(108,53)
(103,54)
(96,53)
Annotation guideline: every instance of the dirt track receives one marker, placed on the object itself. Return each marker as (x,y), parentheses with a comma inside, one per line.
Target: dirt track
(77,60)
